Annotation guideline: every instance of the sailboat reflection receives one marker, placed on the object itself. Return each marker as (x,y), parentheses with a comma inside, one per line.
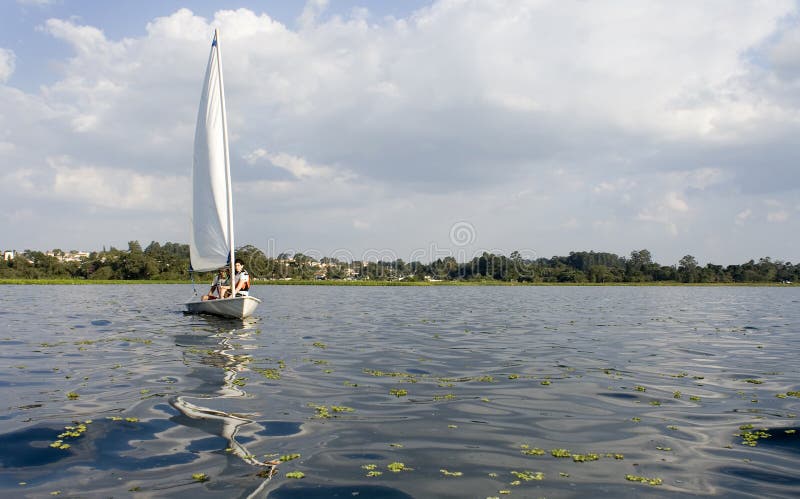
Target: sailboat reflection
(219,356)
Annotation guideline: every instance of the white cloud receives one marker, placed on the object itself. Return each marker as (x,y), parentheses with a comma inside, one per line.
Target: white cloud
(298,167)
(675,203)
(117,189)
(7,63)
(743,216)
(777,216)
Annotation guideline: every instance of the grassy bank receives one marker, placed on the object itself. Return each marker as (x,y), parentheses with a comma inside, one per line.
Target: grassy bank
(388,283)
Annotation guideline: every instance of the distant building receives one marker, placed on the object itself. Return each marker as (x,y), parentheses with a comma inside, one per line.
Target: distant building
(8,255)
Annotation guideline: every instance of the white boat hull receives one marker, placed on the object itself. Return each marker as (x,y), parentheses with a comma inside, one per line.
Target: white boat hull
(238,308)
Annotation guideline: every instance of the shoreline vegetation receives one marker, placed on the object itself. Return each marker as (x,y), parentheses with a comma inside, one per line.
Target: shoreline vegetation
(168,263)
(271,282)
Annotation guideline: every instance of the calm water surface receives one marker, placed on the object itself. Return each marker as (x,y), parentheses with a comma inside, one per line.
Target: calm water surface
(472,389)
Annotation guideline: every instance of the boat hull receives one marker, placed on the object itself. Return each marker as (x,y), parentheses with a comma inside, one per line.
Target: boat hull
(238,308)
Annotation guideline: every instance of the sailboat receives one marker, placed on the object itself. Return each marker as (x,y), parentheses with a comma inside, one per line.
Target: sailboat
(211,243)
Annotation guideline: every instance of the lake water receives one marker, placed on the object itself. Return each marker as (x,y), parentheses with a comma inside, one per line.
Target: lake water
(477,391)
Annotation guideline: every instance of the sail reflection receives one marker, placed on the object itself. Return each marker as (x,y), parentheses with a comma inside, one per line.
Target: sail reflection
(230,364)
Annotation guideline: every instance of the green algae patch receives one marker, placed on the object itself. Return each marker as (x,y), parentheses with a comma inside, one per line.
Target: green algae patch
(531,451)
(451,473)
(288,457)
(397,467)
(642,479)
(200,477)
(268,373)
(583,458)
(398,392)
(325,412)
(297,475)
(560,453)
(528,475)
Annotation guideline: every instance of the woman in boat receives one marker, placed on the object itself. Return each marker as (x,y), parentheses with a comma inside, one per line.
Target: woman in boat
(219,286)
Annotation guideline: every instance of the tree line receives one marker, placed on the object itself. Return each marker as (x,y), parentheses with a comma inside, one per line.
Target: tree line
(170,261)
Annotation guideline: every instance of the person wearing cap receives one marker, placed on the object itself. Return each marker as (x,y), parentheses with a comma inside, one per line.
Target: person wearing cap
(219,286)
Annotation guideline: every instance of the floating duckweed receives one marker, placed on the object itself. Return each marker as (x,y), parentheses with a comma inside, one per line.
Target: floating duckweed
(672,427)
(528,475)
(533,452)
(376,372)
(636,419)
(677,394)
(321,411)
(560,453)
(655,402)
(790,432)
(200,477)
(649,481)
(268,373)
(451,426)
(564,475)
(639,388)
(753,381)
(72,396)
(493,475)
(137,340)
(397,467)
(374,473)
(398,392)
(694,398)
(369,467)
(513,376)
(288,457)
(319,344)
(132,420)
(55,493)
(239,381)
(582,458)
(486,379)
(515,483)
(296,475)
(504,492)
(746,427)
(449,396)
(398,446)
(451,473)
(341,408)
(751,438)
(665,449)
(545,382)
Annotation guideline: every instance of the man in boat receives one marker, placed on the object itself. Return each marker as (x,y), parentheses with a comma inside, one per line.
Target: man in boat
(241,279)
(219,286)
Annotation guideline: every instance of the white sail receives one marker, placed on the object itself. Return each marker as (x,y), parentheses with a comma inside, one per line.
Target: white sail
(212,221)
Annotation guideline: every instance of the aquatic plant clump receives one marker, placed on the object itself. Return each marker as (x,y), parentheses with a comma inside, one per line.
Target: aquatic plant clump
(528,475)
(642,479)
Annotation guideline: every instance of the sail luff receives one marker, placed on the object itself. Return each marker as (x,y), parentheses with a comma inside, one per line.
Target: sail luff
(228,184)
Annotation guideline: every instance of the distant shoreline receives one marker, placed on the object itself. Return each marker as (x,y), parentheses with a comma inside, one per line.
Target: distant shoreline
(80,282)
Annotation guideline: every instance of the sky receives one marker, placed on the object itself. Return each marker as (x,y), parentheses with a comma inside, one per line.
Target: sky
(410,129)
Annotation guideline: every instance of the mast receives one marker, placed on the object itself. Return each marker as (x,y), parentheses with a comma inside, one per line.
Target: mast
(228,186)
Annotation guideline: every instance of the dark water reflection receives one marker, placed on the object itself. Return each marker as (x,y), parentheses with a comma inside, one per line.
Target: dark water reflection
(461,385)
